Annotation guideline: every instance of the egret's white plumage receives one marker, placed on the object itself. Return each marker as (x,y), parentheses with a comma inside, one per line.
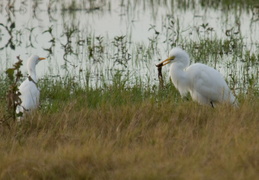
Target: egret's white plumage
(205,84)
(30,94)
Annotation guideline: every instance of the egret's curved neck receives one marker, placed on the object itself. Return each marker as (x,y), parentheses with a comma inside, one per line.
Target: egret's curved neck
(179,77)
(32,71)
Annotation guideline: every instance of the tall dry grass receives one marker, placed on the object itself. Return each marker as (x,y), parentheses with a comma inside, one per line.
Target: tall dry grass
(146,139)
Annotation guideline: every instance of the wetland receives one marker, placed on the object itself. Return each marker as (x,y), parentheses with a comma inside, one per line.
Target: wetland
(104,113)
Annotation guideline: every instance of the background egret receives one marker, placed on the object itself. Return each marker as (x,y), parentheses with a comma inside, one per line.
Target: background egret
(205,84)
(30,94)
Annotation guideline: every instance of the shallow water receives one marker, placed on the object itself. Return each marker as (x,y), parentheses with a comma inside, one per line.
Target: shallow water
(103,37)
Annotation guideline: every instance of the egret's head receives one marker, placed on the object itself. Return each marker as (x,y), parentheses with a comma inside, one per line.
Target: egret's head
(176,55)
(34,60)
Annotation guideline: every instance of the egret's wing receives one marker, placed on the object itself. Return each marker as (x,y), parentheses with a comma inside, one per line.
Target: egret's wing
(29,94)
(208,82)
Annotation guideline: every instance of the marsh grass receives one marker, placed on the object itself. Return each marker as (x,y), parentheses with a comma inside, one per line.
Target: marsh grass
(122,132)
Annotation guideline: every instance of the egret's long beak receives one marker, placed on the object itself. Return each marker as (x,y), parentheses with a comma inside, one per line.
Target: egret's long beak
(165,62)
(41,58)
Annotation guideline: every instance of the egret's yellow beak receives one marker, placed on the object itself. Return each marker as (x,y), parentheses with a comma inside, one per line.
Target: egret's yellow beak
(41,58)
(165,62)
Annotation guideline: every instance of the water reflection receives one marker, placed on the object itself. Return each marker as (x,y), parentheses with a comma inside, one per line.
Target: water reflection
(105,36)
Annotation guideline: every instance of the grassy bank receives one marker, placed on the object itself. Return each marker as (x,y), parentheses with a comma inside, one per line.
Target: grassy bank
(120,132)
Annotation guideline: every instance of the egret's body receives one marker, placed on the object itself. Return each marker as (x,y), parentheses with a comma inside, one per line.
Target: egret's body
(205,84)
(30,94)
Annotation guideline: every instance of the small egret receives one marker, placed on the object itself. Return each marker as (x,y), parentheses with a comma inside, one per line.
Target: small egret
(30,94)
(205,84)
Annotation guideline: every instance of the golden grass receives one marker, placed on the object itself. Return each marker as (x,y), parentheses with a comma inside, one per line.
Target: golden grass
(143,140)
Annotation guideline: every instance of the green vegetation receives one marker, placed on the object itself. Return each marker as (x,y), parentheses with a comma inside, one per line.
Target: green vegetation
(121,132)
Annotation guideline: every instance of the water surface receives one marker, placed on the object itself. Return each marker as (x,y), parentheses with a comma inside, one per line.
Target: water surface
(100,38)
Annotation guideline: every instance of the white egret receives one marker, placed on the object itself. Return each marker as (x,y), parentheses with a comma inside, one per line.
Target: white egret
(205,84)
(30,94)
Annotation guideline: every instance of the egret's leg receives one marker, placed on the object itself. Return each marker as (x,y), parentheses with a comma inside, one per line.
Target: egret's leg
(212,105)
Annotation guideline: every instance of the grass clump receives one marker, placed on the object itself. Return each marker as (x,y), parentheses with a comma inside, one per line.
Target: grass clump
(130,132)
